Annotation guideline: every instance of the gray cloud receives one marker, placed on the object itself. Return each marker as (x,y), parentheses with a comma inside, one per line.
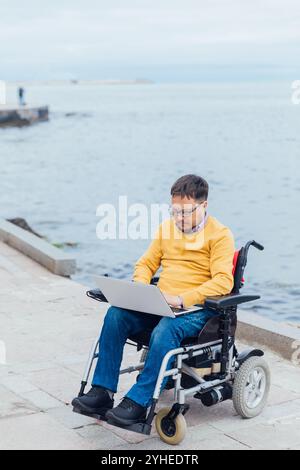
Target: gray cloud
(66,37)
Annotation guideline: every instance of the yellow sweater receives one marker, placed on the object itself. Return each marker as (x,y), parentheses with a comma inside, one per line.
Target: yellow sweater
(194,266)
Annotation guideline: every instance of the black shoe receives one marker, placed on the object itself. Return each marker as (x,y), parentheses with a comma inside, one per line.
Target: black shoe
(127,412)
(96,401)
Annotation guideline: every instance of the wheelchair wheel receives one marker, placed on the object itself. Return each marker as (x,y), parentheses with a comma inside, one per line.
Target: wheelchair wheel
(251,387)
(169,430)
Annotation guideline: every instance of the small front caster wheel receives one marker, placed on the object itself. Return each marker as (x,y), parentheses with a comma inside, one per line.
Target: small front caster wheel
(171,431)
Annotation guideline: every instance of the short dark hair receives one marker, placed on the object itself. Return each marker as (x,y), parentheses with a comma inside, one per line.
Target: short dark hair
(191,186)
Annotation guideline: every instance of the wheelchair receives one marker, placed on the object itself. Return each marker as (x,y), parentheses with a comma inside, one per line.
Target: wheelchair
(207,367)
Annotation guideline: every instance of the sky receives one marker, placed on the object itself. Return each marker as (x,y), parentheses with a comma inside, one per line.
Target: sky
(163,40)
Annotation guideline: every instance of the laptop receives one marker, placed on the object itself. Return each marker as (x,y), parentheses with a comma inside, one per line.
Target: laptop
(146,298)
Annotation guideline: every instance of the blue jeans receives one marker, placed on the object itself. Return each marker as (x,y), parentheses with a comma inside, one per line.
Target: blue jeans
(167,334)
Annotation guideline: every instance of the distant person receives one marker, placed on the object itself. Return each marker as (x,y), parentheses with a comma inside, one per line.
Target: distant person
(21,93)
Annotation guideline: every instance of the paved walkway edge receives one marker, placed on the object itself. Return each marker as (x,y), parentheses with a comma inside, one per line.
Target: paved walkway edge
(280,338)
(52,258)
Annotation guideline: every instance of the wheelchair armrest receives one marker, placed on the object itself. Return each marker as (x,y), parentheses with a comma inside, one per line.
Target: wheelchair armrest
(96,294)
(229,300)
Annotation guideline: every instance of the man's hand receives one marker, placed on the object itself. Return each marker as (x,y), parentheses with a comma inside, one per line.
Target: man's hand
(173,300)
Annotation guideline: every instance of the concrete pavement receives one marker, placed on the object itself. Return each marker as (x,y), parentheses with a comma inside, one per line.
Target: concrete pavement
(47,328)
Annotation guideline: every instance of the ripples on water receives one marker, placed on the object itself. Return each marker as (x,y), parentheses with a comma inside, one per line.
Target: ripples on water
(106,141)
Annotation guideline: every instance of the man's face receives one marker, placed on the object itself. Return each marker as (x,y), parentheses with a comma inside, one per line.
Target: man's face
(187,212)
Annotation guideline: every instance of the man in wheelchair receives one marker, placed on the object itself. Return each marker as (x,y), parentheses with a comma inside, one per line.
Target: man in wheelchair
(195,252)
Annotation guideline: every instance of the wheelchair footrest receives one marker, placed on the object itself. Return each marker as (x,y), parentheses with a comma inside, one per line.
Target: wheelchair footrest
(141,428)
(90,415)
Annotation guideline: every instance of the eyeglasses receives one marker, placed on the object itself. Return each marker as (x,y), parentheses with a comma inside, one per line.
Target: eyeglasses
(183,212)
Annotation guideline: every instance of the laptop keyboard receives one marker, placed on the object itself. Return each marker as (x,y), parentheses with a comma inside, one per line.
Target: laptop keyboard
(178,309)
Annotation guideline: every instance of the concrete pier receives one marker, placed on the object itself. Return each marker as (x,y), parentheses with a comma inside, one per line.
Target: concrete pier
(47,328)
(22,115)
